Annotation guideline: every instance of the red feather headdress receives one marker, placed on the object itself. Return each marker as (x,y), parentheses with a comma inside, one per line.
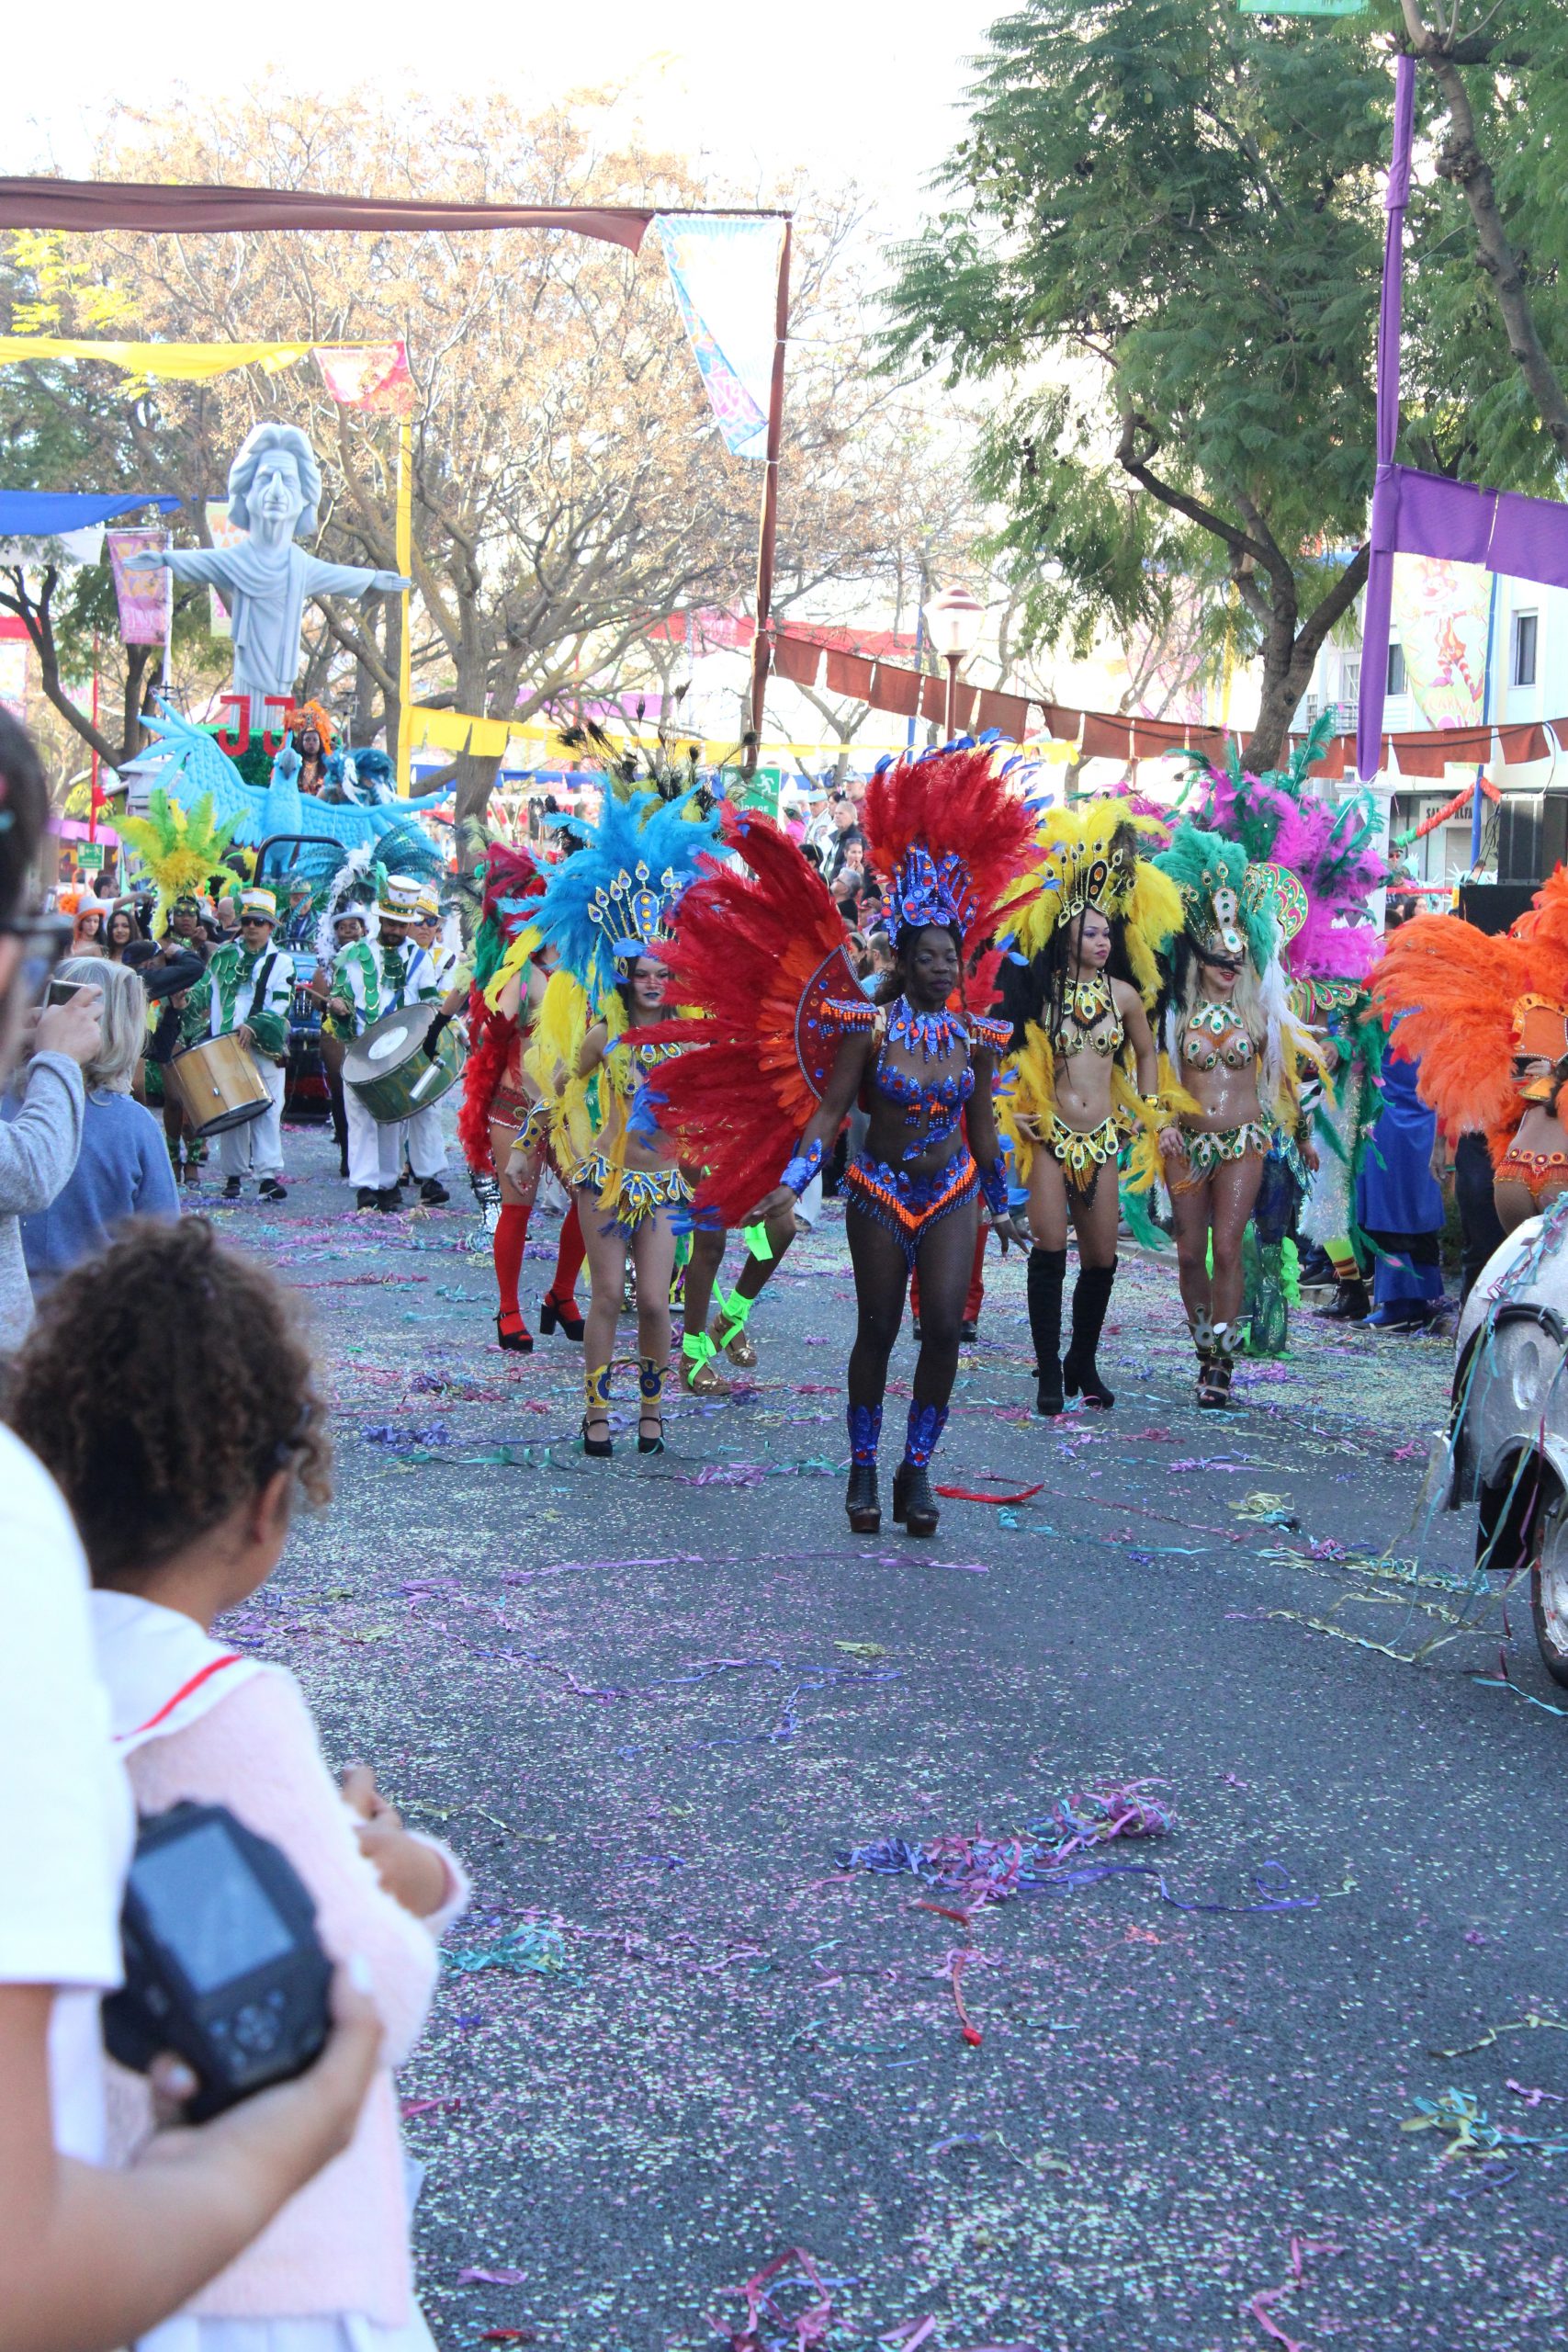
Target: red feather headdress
(952,839)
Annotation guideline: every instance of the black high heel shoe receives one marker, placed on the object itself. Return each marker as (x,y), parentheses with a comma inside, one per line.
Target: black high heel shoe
(650,1382)
(553,1317)
(862,1500)
(1076,1376)
(1048,1399)
(597,1389)
(519,1342)
(914,1505)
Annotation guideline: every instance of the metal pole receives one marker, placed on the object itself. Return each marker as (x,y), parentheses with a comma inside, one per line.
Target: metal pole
(768,536)
(920,651)
(405,565)
(1478,812)
(950,713)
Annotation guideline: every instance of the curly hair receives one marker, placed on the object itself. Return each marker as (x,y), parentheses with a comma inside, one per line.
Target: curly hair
(162,1383)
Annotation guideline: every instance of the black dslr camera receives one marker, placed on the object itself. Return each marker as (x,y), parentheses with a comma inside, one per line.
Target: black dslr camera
(222,1963)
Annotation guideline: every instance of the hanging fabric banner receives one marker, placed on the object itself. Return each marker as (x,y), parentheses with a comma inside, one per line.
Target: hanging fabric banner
(14,643)
(1300,8)
(726,275)
(1437,617)
(371,376)
(145,598)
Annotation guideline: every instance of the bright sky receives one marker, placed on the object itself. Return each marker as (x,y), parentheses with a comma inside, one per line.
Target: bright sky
(850,88)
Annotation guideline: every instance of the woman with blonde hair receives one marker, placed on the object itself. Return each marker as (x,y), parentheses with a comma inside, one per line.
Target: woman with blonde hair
(122,1169)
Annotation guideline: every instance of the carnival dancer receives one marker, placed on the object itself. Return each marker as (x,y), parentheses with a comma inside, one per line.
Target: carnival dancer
(1485,1017)
(247,991)
(1079,985)
(761,955)
(500,1098)
(1323,871)
(607,912)
(315,739)
(370,979)
(1238,1049)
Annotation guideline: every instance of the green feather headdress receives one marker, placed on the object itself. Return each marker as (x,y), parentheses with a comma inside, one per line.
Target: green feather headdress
(1226,914)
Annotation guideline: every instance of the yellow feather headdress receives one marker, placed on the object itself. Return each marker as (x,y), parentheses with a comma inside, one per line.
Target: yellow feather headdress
(1097,855)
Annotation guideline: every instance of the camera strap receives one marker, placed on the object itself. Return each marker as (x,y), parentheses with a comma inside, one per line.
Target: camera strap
(162,1672)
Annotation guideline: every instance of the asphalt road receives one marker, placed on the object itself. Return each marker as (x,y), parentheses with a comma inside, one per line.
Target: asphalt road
(652,1702)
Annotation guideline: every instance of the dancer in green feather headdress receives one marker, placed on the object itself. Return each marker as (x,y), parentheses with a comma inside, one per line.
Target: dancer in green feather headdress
(1236,1047)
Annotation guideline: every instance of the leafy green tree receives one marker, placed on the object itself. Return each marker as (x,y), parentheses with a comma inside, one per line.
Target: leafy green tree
(1163,248)
(1500,82)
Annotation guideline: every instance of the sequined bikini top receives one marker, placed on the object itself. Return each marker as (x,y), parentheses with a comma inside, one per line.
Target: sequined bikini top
(933,1105)
(1212,1035)
(1083,1010)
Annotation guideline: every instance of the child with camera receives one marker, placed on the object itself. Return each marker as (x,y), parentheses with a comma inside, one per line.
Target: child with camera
(182,1488)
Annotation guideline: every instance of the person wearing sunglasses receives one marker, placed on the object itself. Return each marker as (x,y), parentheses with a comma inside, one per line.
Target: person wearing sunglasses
(246,992)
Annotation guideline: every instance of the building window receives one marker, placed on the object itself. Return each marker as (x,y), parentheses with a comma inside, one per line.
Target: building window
(1395,670)
(1525,628)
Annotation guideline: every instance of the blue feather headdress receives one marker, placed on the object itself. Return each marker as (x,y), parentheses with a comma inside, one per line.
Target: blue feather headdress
(612,900)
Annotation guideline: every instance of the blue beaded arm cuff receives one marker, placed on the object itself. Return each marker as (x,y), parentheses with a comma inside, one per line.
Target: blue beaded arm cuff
(994,1185)
(993,1036)
(801,1169)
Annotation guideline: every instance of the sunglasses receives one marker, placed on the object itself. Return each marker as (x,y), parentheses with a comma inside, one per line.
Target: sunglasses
(250,922)
(46,939)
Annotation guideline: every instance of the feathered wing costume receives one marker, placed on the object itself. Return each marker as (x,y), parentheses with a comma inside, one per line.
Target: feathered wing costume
(1090,856)
(1466,1002)
(758,957)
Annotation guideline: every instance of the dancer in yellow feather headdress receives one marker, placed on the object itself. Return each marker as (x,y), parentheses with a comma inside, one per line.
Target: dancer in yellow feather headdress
(1079,985)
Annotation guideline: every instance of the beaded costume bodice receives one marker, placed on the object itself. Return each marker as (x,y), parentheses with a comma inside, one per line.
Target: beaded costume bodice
(1089,1022)
(1213,1034)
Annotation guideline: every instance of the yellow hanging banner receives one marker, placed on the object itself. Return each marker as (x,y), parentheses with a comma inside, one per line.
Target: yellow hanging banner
(179,363)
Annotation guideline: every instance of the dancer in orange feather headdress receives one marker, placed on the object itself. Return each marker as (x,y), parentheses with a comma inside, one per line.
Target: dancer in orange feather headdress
(785,1043)
(1487,1019)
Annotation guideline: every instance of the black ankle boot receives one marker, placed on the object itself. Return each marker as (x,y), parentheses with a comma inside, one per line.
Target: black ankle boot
(861,1502)
(914,1505)
(1048,1271)
(1091,1296)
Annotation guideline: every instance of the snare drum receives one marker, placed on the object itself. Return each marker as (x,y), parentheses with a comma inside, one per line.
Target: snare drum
(216,1085)
(394,1070)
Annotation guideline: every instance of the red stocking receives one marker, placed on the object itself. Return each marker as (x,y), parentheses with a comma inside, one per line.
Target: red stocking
(568,1262)
(510,1233)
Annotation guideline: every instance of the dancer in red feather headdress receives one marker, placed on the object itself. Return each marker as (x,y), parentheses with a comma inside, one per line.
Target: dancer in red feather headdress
(498,1098)
(785,1043)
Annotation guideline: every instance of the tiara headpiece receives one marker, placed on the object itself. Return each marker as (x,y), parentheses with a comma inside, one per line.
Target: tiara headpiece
(629,911)
(927,891)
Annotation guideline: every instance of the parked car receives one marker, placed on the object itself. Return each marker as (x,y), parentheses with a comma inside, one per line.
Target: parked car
(1506,1445)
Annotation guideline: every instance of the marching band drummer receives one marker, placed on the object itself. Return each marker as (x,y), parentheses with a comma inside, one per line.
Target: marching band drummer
(368,980)
(426,1136)
(246,992)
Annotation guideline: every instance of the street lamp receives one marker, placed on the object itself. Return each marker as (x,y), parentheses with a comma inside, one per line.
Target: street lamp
(953,619)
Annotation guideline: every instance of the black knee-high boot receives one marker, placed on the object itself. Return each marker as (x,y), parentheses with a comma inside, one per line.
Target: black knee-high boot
(1047,1271)
(1091,1296)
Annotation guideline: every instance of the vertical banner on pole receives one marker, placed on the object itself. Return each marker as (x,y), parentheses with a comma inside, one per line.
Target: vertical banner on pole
(14,644)
(146,599)
(375,378)
(222,534)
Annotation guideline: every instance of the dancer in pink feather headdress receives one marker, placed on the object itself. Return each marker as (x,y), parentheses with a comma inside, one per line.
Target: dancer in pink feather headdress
(1323,871)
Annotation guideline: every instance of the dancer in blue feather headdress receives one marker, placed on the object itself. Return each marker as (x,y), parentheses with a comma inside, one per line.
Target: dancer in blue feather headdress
(604,916)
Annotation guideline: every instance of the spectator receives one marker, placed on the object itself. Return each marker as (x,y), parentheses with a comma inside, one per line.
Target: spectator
(40,1130)
(119,932)
(174,1533)
(848,877)
(87,937)
(847,835)
(122,1168)
(91,2259)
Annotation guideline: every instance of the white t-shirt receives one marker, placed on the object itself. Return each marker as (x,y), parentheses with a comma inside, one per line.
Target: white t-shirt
(66,1820)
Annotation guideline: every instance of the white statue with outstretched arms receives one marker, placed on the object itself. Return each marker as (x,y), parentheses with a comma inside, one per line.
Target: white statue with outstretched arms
(274,489)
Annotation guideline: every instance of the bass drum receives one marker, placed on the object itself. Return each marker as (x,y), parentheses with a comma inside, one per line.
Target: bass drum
(216,1085)
(395,1067)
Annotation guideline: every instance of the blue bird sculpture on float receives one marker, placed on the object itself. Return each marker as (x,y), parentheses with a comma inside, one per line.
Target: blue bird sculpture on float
(196,764)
